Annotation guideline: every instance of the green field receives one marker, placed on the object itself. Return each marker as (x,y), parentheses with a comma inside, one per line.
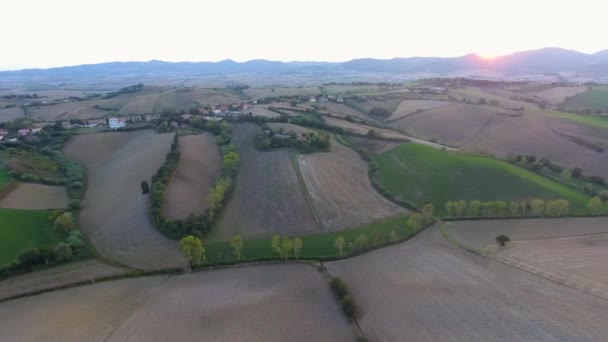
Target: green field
(594,99)
(421,174)
(319,246)
(593,121)
(21,229)
(4,178)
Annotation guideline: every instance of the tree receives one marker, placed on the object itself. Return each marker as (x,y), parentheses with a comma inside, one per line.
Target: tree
(500,208)
(523,205)
(360,242)
(237,244)
(286,247)
(64,223)
(565,175)
(514,208)
(415,221)
(595,205)
(29,257)
(145,188)
(380,112)
(537,206)
(298,243)
(502,239)
(427,210)
(460,207)
(74,204)
(577,172)
(449,208)
(339,243)
(63,252)
(474,208)
(231,162)
(192,248)
(275,244)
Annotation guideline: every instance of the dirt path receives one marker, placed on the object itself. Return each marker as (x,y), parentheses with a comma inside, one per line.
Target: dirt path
(427,289)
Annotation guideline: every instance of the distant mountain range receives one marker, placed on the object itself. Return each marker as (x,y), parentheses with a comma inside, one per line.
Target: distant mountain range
(547,61)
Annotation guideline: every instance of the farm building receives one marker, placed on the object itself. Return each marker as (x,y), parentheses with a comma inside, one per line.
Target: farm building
(116,123)
(24,131)
(3,132)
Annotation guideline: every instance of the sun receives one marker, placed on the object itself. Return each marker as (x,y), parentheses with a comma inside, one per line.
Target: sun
(487,57)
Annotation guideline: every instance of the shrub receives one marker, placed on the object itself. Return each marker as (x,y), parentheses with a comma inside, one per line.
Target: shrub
(339,287)
(63,252)
(502,239)
(74,204)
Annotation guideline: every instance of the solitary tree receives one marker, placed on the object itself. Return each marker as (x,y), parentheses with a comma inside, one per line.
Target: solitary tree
(339,243)
(502,239)
(145,188)
(237,244)
(298,243)
(275,244)
(63,252)
(192,248)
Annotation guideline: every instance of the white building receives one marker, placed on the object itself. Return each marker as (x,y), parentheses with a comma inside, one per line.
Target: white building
(115,123)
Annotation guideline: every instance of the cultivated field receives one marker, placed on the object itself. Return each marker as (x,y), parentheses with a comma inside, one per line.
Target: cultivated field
(344,110)
(198,168)
(276,126)
(258,93)
(22,229)
(65,111)
(261,303)
(76,272)
(427,289)
(407,107)
(10,114)
(268,197)
(453,124)
(36,197)
(362,129)
(593,99)
(373,145)
(115,216)
(557,95)
(340,190)
(261,111)
(423,174)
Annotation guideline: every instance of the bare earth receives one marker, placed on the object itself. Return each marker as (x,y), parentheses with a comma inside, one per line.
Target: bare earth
(10,114)
(427,289)
(76,272)
(407,107)
(259,303)
(36,197)
(198,168)
(362,129)
(261,111)
(340,190)
(268,197)
(557,95)
(115,215)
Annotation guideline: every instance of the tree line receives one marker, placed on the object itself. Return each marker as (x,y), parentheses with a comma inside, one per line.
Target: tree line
(496,209)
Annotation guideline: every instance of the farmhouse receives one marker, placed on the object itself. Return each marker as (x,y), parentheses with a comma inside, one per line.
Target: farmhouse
(116,123)
(24,131)
(3,132)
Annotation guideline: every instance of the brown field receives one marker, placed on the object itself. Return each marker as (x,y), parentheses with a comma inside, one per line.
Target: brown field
(268,197)
(259,303)
(340,190)
(33,167)
(65,111)
(198,168)
(115,216)
(56,277)
(557,95)
(36,197)
(344,110)
(407,107)
(275,126)
(427,289)
(10,114)
(373,145)
(362,129)
(570,127)
(261,111)
(258,93)
(453,124)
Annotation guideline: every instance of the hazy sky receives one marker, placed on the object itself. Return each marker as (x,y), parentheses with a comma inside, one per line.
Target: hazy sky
(44,33)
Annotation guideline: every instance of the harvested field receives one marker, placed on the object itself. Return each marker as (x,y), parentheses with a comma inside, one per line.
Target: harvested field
(199,167)
(60,276)
(572,128)
(268,197)
(222,305)
(557,95)
(593,99)
(372,145)
(65,111)
(481,234)
(340,190)
(258,93)
(427,289)
(261,111)
(36,197)
(407,107)
(344,110)
(115,216)
(453,124)
(275,126)
(10,114)
(362,129)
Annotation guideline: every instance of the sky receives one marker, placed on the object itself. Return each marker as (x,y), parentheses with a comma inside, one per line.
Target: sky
(43,33)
